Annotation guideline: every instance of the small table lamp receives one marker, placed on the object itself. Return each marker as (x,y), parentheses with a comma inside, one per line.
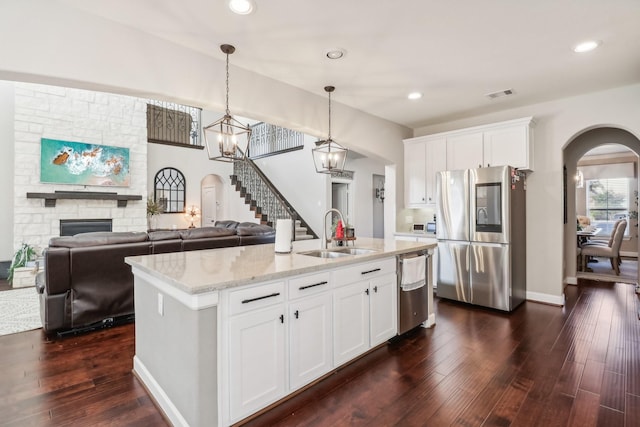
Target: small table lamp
(192,214)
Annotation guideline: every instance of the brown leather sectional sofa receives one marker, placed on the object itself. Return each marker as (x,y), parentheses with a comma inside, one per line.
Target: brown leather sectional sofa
(86,283)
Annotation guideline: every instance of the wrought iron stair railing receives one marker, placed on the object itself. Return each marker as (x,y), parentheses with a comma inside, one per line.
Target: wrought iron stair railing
(263,197)
(269,140)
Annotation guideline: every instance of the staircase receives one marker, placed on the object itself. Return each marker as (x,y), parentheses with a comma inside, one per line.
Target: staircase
(265,200)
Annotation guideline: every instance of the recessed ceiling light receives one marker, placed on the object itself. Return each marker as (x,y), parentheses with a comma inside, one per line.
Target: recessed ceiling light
(587,46)
(414,95)
(335,53)
(242,7)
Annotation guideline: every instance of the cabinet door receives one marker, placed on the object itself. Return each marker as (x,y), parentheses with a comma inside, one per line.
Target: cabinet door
(464,151)
(384,308)
(351,321)
(414,174)
(311,345)
(257,360)
(436,161)
(507,147)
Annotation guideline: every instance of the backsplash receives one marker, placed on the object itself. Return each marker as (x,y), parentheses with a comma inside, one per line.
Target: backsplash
(407,217)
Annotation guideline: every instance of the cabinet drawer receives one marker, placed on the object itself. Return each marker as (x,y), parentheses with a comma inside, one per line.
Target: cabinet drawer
(245,299)
(364,271)
(309,285)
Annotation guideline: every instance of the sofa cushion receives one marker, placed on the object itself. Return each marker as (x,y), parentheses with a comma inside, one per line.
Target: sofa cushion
(97,239)
(206,232)
(154,236)
(227,224)
(253,229)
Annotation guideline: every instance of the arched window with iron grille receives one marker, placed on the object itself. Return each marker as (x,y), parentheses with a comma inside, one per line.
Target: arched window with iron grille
(169,190)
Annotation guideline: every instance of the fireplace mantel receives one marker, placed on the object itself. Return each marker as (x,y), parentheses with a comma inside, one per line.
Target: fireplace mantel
(51,198)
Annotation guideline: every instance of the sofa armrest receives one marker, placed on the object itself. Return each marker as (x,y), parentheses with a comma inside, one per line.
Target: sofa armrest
(57,274)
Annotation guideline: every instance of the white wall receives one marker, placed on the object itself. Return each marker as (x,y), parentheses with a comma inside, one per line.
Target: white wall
(6,170)
(557,123)
(59,45)
(363,194)
(309,192)
(79,116)
(195,166)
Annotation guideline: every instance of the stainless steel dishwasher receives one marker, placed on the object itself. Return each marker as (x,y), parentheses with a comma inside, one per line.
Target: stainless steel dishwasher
(413,297)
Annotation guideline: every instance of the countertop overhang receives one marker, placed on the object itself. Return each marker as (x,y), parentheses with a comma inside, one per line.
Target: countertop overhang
(202,271)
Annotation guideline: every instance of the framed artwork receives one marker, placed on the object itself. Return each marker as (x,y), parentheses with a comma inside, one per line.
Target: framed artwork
(65,162)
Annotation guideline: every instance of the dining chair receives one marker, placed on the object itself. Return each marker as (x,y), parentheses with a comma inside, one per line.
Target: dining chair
(611,251)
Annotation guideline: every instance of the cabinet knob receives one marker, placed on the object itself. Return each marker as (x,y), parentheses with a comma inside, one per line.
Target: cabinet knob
(375,289)
(282,318)
(296,314)
(366,291)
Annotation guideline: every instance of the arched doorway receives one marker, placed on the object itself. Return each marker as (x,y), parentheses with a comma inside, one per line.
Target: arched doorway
(573,151)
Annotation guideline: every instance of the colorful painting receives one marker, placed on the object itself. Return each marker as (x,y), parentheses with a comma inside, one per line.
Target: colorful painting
(65,162)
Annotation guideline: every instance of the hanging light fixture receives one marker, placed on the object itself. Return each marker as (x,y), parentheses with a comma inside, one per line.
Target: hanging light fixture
(329,156)
(223,137)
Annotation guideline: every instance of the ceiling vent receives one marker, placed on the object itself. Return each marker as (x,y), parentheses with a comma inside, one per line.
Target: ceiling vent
(499,94)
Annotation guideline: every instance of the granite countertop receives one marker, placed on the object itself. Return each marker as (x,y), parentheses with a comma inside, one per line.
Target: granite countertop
(196,272)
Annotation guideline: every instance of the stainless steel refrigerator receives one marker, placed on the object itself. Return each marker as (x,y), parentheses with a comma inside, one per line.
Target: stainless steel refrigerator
(482,236)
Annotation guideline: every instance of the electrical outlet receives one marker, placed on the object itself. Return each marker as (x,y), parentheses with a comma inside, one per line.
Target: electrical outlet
(161,304)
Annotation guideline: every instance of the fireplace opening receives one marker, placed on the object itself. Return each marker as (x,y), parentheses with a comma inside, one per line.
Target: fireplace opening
(71,227)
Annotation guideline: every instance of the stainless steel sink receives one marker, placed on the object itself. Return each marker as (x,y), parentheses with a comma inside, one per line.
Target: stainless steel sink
(354,251)
(321,253)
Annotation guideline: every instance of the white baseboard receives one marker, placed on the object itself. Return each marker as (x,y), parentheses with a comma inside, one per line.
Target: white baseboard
(546,298)
(629,254)
(159,395)
(571,280)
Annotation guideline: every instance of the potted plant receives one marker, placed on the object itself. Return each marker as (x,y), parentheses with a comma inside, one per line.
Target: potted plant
(25,254)
(154,208)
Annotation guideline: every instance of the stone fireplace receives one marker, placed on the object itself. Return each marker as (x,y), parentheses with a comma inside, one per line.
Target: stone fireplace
(78,116)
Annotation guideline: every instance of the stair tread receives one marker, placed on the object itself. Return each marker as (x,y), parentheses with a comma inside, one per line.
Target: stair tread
(304,237)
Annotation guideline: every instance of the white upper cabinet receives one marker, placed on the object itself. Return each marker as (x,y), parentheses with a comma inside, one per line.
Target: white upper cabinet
(464,151)
(422,160)
(509,145)
(498,144)
(436,151)
(414,174)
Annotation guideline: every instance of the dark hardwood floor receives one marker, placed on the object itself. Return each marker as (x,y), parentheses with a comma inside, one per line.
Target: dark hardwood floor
(539,366)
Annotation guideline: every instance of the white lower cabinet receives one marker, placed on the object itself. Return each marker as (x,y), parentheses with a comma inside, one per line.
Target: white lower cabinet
(310,339)
(282,337)
(257,360)
(351,327)
(365,311)
(383,294)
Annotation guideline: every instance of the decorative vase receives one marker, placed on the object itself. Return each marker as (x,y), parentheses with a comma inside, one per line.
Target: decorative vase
(152,222)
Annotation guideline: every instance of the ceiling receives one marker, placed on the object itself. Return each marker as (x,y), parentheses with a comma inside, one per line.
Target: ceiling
(454,52)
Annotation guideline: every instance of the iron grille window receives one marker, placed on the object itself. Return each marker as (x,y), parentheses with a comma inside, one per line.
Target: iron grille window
(169,190)
(607,201)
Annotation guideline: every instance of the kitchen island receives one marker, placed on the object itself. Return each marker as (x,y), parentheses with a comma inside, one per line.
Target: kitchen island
(224,333)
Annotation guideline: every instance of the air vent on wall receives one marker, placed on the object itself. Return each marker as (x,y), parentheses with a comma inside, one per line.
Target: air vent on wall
(499,94)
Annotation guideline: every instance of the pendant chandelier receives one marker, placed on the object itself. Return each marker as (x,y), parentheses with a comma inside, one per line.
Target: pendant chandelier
(223,137)
(329,156)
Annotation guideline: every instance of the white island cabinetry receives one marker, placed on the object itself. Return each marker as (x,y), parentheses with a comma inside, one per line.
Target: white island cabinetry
(365,302)
(256,334)
(224,333)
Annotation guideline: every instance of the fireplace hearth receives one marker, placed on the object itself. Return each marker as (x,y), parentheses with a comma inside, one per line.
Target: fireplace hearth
(71,227)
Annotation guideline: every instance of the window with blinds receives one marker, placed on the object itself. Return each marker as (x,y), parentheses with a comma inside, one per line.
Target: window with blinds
(607,202)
